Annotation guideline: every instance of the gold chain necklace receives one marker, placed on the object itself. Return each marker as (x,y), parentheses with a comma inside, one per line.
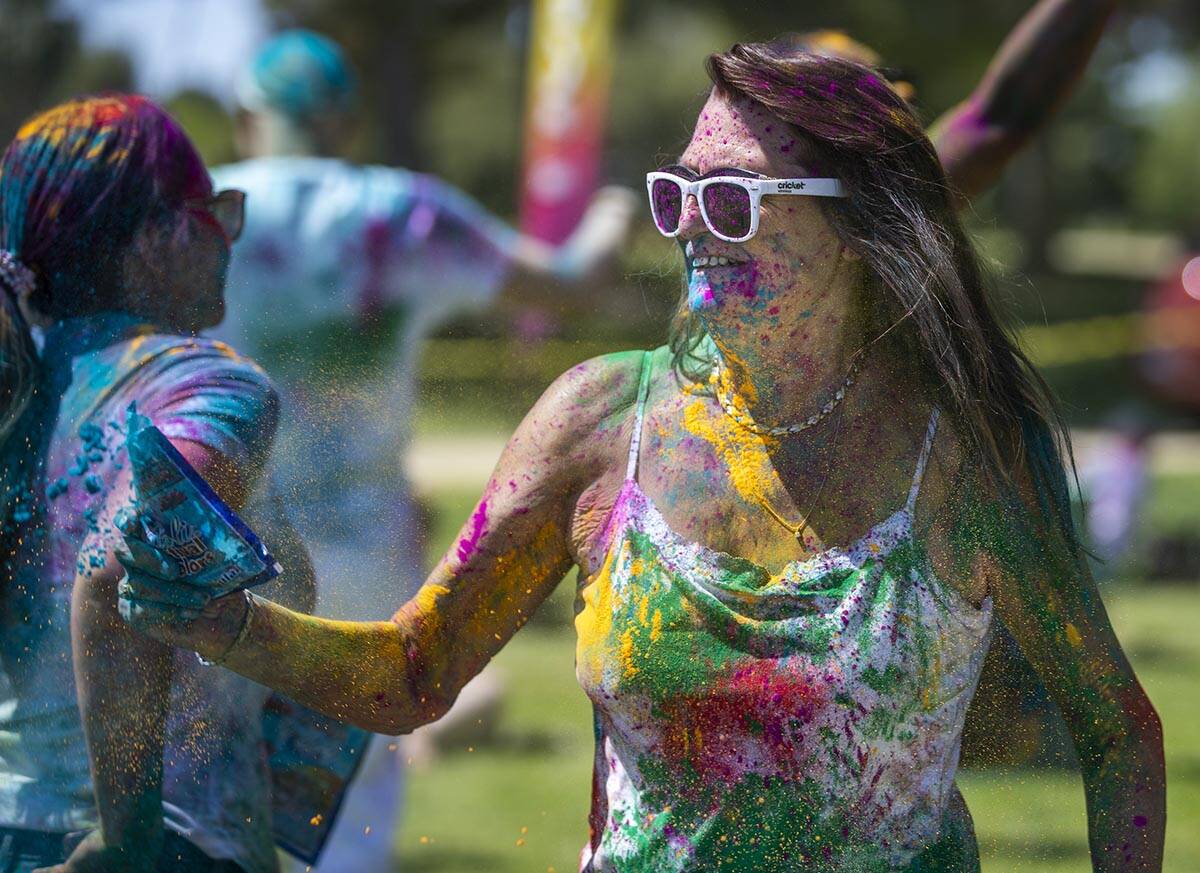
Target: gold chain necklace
(743,419)
(799,529)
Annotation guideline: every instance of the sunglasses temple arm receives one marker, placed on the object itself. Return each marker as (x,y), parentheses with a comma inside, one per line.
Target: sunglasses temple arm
(805,187)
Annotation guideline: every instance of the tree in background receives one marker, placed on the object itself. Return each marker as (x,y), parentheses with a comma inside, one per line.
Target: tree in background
(442,85)
(42,62)
(207,123)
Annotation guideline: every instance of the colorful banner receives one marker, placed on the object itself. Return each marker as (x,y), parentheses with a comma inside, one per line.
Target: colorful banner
(570,67)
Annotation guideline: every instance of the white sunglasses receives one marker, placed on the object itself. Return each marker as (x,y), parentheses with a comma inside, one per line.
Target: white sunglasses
(729,205)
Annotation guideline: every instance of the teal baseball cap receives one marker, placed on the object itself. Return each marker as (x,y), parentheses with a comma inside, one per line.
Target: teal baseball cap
(298,73)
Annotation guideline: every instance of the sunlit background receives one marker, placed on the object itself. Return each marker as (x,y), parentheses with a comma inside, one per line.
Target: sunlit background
(1087,227)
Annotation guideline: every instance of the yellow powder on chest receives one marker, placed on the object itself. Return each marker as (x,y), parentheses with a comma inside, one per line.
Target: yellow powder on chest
(746,455)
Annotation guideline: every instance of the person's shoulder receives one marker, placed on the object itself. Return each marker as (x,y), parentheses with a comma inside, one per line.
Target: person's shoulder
(949,462)
(605,383)
(175,357)
(1023,493)
(226,399)
(278,167)
(589,399)
(431,190)
(583,420)
(284,179)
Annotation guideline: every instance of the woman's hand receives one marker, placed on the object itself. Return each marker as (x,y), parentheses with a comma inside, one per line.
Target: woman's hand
(154,599)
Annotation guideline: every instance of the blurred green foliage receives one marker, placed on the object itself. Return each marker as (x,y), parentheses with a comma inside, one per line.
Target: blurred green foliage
(42,62)
(442,86)
(1166,179)
(465,61)
(207,123)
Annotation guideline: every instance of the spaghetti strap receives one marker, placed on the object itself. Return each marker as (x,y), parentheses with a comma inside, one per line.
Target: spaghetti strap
(639,415)
(911,504)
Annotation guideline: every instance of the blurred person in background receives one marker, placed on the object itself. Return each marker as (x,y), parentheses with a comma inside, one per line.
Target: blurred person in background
(793,524)
(343,270)
(1170,366)
(114,244)
(1114,483)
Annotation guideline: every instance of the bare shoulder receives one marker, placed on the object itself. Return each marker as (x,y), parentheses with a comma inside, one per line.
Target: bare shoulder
(943,473)
(595,389)
(980,529)
(591,411)
(584,403)
(569,437)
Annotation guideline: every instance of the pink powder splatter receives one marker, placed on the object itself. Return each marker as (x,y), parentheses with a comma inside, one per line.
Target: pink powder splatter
(470,543)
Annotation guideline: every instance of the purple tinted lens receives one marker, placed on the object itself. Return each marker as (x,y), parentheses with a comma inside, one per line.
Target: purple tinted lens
(728,209)
(666,203)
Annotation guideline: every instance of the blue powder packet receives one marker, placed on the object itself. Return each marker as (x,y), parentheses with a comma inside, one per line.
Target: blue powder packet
(186,520)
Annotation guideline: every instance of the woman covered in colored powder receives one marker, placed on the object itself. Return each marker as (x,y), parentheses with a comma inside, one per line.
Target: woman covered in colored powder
(114,246)
(793,524)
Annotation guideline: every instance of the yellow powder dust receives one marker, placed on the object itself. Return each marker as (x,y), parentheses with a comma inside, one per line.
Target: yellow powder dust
(428,596)
(1073,636)
(745,454)
(594,622)
(627,653)
(743,391)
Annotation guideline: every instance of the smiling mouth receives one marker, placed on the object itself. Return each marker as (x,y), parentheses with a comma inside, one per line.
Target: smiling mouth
(700,263)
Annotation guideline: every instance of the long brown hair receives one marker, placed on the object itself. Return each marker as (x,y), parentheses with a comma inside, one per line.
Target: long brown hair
(901,219)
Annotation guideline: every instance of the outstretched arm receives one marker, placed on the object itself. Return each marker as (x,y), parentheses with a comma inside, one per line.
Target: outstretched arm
(444,252)
(392,676)
(1032,74)
(1044,593)
(539,272)
(123,681)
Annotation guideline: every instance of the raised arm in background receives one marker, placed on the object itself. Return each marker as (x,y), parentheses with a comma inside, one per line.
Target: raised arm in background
(1034,71)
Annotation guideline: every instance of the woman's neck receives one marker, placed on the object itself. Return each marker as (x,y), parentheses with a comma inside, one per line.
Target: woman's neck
(784,379)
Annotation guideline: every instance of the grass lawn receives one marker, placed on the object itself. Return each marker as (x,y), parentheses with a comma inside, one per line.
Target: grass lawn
(520,804)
